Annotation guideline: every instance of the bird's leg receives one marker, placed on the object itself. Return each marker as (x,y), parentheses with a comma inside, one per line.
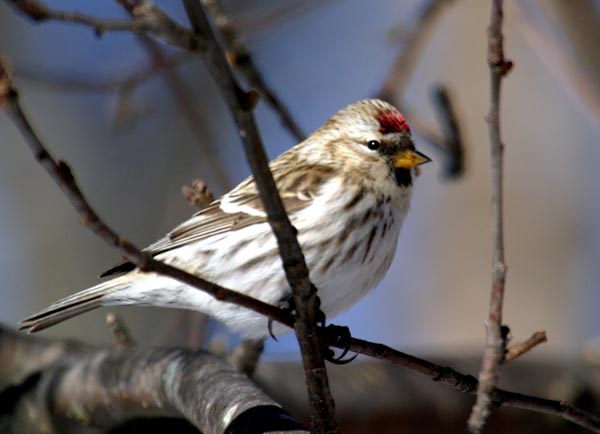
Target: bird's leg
(286,303)
(332,334)
(321,318)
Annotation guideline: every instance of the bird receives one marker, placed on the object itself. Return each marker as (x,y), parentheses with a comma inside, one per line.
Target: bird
(346,189)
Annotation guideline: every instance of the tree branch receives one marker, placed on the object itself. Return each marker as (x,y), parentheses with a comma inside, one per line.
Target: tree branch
(241,105)
(495,342)
(469,384)
(104,388)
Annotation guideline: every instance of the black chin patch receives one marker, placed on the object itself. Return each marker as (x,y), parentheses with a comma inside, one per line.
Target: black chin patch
(403,177)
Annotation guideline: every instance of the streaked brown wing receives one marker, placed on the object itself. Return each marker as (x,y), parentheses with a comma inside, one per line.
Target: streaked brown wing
(296,188)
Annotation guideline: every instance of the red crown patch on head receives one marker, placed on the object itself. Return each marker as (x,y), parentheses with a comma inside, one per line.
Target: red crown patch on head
(392,122)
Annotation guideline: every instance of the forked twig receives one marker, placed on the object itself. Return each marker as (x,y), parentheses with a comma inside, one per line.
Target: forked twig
(493,353)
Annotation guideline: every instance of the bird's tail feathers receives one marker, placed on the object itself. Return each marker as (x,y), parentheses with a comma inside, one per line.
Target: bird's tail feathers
(71,306)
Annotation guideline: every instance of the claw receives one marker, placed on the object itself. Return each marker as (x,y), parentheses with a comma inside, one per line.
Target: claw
(339,336)
(270,327)
(339,360)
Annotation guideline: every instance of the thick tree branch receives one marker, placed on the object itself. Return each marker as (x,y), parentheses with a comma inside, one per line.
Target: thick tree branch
(102,388)
(241,105)
(495,342)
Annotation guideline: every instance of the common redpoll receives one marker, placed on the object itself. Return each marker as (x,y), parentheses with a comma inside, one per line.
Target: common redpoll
(346,189)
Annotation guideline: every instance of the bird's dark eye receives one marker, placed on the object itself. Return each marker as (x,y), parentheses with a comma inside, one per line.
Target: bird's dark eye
(373,145)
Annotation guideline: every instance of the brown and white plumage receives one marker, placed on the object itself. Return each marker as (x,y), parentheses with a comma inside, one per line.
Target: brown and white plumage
(346,190)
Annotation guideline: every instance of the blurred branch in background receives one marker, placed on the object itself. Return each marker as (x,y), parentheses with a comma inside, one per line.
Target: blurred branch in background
(565,37)
(148,19)
(185,104)
(413,41)
(239,57)
(132,79)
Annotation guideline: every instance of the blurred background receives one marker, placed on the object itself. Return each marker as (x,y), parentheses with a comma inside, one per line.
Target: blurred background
(132,151)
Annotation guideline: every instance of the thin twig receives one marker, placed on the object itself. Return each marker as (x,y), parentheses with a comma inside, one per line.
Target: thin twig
(239,57)
(495,343)
(469,385)
(119,331)
(521,348)
(189,110)
(149,18)
(241,105)
(182,96)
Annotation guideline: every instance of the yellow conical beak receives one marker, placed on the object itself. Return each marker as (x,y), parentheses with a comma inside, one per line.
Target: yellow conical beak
(409,159)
